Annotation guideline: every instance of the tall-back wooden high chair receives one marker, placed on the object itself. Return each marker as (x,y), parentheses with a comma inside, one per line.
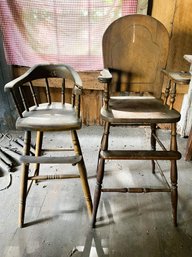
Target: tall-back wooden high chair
(40,117)
(135,50)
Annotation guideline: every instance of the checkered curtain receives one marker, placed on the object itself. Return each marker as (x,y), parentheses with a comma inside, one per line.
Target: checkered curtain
(57,31)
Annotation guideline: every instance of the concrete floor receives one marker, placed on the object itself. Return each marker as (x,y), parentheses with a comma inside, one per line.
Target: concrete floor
(136,225)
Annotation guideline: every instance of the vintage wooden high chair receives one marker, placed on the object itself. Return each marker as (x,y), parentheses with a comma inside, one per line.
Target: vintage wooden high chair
(41,117)
(135,50)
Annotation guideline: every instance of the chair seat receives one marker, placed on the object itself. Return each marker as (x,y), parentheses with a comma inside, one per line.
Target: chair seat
(125,109)
(49,117)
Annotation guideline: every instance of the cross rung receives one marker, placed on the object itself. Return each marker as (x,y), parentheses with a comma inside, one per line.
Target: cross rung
(55,176)
(47,159)
(140,155)
(135,190)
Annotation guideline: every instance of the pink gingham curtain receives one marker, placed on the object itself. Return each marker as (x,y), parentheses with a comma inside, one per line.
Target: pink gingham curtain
(58,31)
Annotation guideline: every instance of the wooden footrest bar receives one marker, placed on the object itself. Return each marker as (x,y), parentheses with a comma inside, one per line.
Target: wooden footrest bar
(45,159)
(135,190)
(140,155)
(56,176)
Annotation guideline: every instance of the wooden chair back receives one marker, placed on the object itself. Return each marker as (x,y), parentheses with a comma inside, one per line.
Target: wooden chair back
(135,50)
(25,88)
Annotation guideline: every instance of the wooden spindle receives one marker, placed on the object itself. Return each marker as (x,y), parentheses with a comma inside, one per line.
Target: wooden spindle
(73,97)
(63,92)
(78,99)
(48,91)
(33,94)
(173,144)
(172,95)
(17,105)
(23,99)
(106,96)
(167,90)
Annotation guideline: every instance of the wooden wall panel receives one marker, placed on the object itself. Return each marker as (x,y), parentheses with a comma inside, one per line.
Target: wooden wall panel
(176,16)
(181,40)
(164,11)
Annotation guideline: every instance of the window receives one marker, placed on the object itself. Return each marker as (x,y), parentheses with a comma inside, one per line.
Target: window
(57,31)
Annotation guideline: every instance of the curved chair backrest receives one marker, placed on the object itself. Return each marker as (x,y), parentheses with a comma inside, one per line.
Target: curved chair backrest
(47,76)
(135,50)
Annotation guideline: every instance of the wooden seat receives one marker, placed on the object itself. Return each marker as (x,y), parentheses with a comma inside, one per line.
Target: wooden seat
(45,116)
(49,116)
(137,109)
(135,50)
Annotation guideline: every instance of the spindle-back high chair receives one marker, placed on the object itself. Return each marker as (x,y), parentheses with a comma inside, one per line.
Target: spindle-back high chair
(49,116)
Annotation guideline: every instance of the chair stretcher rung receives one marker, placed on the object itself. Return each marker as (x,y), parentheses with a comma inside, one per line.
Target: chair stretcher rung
(136,190)
(140,155)
(47,159)
(55,176)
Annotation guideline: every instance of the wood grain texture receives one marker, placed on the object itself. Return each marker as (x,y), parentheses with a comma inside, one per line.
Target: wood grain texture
(176,16)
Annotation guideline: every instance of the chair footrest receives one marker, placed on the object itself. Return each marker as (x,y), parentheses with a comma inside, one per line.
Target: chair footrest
(55,176)
(47,159)
(140,155)
(136,190)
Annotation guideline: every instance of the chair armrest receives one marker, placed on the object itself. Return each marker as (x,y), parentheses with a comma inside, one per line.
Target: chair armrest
(174,79)
(77,90)
(18,81)
(105,76)
(180,77)
(74,76)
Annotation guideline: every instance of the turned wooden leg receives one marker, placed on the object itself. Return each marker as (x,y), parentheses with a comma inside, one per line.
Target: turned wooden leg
(98,186)
(39,141)
(104,141)
(100,172)
(82,173)
(153,144)
(174,194)
(24,179)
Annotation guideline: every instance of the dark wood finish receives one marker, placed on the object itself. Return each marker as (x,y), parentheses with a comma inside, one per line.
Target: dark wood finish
(150,7)
(135,50)
(48,115)
(139,155)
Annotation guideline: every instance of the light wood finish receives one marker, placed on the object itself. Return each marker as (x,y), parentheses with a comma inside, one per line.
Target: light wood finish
(176,16)
(135,51)
(174,79)
(41,117)
(38,150)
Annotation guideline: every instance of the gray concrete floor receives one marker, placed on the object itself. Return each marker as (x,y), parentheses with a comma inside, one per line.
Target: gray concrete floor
(136,225)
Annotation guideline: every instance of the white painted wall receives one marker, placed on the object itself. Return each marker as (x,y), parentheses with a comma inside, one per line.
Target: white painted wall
(185,124)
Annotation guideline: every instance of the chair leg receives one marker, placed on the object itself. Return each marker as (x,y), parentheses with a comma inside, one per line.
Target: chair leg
(39,141)
(24,179)
(82,173)
(98,186)
(100,172)
(174,193)
(104,140)
(153,144)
